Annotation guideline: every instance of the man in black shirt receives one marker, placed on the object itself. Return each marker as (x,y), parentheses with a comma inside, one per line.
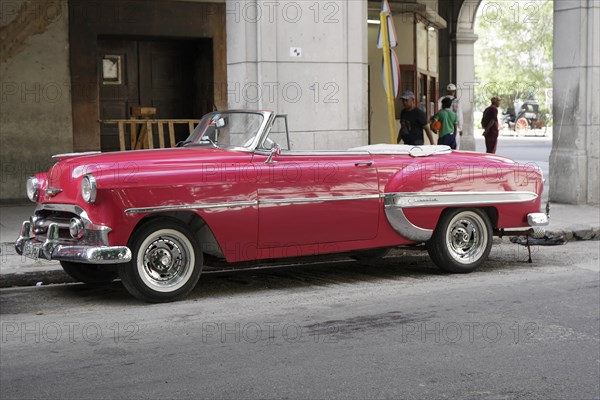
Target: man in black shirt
(413,121)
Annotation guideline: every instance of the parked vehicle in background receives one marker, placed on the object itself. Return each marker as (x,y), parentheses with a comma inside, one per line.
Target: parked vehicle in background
(524,118)
(235,190)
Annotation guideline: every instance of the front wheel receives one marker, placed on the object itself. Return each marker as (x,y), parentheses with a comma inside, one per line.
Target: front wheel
(461,241)
(91,274)
(166,262)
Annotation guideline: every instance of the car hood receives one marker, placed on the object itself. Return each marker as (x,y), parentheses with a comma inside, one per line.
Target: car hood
(177,166)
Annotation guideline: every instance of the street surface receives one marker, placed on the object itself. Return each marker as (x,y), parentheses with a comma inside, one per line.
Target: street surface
(391,328)
(394,328)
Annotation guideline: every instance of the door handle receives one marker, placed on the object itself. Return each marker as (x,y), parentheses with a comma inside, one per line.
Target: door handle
(363,163)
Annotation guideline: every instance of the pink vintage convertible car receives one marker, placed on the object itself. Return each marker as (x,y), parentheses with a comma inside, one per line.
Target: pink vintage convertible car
(231,191)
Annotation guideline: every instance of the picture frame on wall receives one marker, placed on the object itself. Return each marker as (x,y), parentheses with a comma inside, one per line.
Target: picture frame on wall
(111,69)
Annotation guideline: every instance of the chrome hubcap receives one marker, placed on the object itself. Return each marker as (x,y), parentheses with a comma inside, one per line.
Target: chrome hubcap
(466,238)
(166,261)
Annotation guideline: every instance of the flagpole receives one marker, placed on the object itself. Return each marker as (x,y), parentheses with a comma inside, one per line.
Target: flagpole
(387,65)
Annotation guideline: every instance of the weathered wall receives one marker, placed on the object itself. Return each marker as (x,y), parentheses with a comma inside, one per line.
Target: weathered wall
(35,100)
(324,90)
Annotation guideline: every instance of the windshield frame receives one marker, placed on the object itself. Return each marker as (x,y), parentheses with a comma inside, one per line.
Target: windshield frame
(268,118)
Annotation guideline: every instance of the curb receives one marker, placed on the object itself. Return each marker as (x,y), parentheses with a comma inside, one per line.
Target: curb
(17,279)
(58,276)
(579,234)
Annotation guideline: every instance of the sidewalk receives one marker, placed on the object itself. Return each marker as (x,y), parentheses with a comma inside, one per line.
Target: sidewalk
(573,222)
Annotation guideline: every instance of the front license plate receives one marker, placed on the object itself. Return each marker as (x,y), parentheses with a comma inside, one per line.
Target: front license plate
(32,250)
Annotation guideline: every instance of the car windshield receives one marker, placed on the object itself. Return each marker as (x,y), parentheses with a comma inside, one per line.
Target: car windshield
(226,129)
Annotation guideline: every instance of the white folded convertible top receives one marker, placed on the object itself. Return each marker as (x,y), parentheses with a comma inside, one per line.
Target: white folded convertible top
(415,151)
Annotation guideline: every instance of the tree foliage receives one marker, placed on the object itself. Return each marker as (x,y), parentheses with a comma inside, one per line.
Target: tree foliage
(513,55)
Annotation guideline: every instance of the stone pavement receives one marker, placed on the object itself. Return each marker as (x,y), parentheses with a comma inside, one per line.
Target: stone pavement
(573,222)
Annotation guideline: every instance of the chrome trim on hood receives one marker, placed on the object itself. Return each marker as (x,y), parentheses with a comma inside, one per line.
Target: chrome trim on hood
(67,155)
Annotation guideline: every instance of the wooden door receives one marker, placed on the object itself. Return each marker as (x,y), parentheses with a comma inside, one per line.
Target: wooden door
(119,86)
(174,76)
(166,78)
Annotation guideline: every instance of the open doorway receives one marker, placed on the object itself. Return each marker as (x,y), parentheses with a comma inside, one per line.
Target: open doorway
(173,76)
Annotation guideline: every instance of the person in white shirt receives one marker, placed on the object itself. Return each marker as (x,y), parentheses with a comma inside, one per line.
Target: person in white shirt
(456,108)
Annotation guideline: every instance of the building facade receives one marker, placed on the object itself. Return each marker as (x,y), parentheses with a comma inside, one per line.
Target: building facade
(67,65)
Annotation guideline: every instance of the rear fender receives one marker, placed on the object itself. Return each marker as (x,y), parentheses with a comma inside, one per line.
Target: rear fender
(417,194)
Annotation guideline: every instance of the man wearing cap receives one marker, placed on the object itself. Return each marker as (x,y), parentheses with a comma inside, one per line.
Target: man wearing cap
(413,120)
(490,125)
(456,108)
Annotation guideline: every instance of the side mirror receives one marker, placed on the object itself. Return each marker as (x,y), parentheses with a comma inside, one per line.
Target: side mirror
(275,151)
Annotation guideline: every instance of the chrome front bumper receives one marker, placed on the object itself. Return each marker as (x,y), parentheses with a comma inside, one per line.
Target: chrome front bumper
(50,248)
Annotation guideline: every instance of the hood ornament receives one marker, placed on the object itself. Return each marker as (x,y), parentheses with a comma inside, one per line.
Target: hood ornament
(52,191)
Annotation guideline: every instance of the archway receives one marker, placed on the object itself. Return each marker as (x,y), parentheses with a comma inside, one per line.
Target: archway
(575,157)
(464,42)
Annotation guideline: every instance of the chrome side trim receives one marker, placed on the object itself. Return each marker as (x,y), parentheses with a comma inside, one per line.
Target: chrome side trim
(404,227)
(232,204)
(204,206)
(394,204)
(436,199)
(303,200)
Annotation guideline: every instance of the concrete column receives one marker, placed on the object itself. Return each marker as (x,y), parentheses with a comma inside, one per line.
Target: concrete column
(574,166)
(447,46)
(305,59)
(465,77)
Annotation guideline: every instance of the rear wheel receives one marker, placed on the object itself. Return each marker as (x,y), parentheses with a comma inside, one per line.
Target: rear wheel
(166,262)
(462,240)
(521,126)
(91,274)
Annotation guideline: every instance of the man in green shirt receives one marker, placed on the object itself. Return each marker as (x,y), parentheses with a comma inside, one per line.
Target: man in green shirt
(449,122)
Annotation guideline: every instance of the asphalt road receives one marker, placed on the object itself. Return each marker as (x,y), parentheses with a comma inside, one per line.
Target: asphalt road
(396,328)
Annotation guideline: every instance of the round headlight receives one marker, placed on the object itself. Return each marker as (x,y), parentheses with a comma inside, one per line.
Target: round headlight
(88,188)
(33,188)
